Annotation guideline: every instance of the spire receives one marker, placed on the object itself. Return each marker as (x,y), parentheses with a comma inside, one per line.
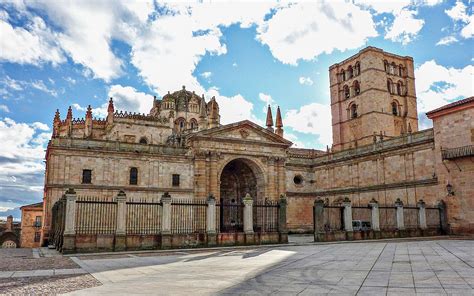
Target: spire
(89,112)
(110,108)
(269,119)
(69,113)
(213,113)
(203,111)
(56,123)
(57,117)
(279,123)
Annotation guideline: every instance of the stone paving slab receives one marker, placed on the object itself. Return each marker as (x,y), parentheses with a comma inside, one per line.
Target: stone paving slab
(41,272)
(440,267)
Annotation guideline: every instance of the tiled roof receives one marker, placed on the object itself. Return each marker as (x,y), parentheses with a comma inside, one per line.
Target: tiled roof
(453,104)
(39,204)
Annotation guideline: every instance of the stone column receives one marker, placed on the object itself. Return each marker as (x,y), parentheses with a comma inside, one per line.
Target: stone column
(374,205)
(282,227)
(211,221)
(248,219)
(347,215)
(400,221)
(318,220)
(69,236)
(422,214)
(120,231)
(166,221)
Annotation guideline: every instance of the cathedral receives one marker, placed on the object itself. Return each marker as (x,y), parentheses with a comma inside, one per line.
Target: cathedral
(181,147)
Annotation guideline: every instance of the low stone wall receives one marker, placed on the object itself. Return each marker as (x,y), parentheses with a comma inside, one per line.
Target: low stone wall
(84,243)
(366,235)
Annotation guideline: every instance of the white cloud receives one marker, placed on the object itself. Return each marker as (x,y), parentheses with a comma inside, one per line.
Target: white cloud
(313,32)
(4,108)
(379,7)
(12,83)
(293,138)
(447,40)
(313,119)
(405,27)
(40,126)
(39,85)
(232,109)
(32,44)
(129,99)
(437,85)
(468,30)
(305,80)
(268,100)
(206,75)
(458,12)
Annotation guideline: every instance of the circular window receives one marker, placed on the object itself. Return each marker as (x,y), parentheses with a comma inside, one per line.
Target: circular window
(298,180)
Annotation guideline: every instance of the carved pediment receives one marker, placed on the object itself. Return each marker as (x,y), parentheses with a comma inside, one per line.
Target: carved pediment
(245,131)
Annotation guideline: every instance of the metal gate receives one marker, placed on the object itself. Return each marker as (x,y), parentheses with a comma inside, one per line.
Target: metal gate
(231,216)
(58,221)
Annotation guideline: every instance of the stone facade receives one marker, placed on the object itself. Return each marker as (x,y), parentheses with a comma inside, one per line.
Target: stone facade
(31,221)
(181,148)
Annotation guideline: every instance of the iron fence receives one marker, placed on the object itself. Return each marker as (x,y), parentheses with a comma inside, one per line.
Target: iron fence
(433,217)
(143,217)
(333,218)
(265,216)
(388,217)
(94,215)
(188,216)
(58,223)
(230,216)
(411,217)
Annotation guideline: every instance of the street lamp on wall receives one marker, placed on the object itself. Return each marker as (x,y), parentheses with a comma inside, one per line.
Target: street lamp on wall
(449,189)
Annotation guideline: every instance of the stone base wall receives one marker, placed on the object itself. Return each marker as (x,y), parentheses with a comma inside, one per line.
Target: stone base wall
(85,243)
(364,235)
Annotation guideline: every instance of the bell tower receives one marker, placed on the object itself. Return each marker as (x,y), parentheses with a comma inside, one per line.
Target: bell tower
(372,98)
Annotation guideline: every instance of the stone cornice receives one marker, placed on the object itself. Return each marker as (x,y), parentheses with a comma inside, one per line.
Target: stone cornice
(349,190)
(125,188)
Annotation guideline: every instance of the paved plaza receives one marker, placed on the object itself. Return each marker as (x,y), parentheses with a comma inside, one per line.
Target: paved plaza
(430,267)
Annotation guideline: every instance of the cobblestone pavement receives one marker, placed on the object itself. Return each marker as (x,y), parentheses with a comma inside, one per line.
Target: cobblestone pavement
(27,259)
(46,285)
(438,267)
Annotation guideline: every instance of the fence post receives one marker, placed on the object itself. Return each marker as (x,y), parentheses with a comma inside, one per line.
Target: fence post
(69,241)
(400,219)
(318,220)
(374,205)
(120,230)
(248,219)
(282,227)
(443,217)
(422,214)
(166,221)
(348,219)
(211,221)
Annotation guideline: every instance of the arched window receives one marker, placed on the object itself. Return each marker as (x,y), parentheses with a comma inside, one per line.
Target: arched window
(350,72)
(347,94)
(133,176)
(357,69)
(395,108)
(180,124)
(399,88)
(400,70)
(343,74)
(194,124)
(385,64)
(389,85)
(356,87)
(392,68)
(353,110)
(143,140)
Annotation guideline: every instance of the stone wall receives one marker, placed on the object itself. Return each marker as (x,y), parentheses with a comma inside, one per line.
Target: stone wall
(28,227)
(454,128)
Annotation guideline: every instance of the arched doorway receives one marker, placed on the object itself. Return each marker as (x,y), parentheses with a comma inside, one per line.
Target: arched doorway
(238,178)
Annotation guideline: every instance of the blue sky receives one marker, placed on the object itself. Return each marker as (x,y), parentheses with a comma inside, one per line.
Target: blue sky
(248,55)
